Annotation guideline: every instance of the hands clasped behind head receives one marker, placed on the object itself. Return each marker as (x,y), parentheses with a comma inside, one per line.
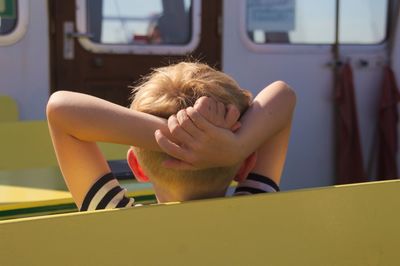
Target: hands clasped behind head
(197,132)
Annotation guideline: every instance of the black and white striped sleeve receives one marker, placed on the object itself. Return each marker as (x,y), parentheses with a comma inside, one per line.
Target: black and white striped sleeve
(106,193)
(255,184)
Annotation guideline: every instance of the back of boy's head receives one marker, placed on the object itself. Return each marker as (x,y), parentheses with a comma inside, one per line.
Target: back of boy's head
(166,91)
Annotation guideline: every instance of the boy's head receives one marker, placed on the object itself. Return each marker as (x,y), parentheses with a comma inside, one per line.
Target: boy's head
(166,91)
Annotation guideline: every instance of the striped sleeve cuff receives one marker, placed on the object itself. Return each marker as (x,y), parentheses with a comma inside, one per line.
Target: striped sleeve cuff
(106,193)
(255,184)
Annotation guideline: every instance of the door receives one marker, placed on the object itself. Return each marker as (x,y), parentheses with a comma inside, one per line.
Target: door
(100,47)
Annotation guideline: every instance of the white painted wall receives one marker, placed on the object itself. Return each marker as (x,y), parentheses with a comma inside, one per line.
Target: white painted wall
(24,66)
(310,156)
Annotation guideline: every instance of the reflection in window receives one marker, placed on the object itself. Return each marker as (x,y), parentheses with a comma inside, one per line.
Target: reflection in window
(313,22)
(8,16)
(140,22)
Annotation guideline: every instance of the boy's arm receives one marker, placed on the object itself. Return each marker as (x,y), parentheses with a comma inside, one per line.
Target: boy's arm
(77,121)
(265,128)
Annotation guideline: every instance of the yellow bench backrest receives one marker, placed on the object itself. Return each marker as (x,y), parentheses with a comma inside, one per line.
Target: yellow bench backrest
(349,225)
(27,144)
(8,109)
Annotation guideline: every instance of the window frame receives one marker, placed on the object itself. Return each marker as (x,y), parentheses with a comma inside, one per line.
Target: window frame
(21,27)
(300,48)
(81,25)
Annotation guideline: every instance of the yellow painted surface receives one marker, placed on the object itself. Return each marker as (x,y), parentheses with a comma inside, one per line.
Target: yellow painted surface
(53,198)
(34,204)
(347,225)
(46,186)
(28,145)
(59,201)
(31,185)
(8,106)
(15,194)
(46,178)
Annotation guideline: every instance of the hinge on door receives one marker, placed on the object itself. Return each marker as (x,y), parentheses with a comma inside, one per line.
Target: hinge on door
(52,27)
(219,25)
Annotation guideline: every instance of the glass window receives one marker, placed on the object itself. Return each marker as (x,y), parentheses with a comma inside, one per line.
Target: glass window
(313,22)
(8,16)
(150,22)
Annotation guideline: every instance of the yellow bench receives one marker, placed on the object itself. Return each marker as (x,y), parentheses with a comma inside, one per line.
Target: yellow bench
(28,165)
(348,225)
(27,145)
(8,109)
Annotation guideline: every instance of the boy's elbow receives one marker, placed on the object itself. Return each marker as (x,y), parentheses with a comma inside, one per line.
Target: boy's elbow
(55,106)
(288,92)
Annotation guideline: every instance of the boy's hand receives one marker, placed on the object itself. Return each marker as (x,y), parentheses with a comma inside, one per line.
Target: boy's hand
(205,136)
(216,113)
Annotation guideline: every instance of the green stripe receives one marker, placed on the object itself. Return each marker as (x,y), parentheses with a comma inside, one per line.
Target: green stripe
(56,209)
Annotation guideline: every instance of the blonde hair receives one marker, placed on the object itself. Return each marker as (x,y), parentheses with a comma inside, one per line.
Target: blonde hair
(166,91)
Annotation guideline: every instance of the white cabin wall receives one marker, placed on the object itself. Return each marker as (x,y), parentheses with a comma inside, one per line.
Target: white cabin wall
(24,66)
(310,160)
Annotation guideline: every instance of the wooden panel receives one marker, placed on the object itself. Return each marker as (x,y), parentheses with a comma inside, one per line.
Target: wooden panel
(347,225)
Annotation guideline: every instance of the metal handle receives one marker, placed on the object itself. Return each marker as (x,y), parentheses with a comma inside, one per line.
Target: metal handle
(78,35)
(69,36)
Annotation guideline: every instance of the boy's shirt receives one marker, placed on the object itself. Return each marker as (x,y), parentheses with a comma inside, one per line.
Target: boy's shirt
(107,193)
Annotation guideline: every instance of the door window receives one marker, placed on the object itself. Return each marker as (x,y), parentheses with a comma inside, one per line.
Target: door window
(313,22)
(8,16)
(137,26)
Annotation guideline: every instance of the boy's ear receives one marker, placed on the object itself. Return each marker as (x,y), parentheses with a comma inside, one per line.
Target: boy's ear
(134,165)
(246,167)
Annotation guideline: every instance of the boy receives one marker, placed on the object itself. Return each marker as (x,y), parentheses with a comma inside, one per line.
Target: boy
(207,155)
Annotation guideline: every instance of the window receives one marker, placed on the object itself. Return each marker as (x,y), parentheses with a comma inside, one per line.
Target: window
(13,20)
(8,16)
(137,26)
(313,22)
